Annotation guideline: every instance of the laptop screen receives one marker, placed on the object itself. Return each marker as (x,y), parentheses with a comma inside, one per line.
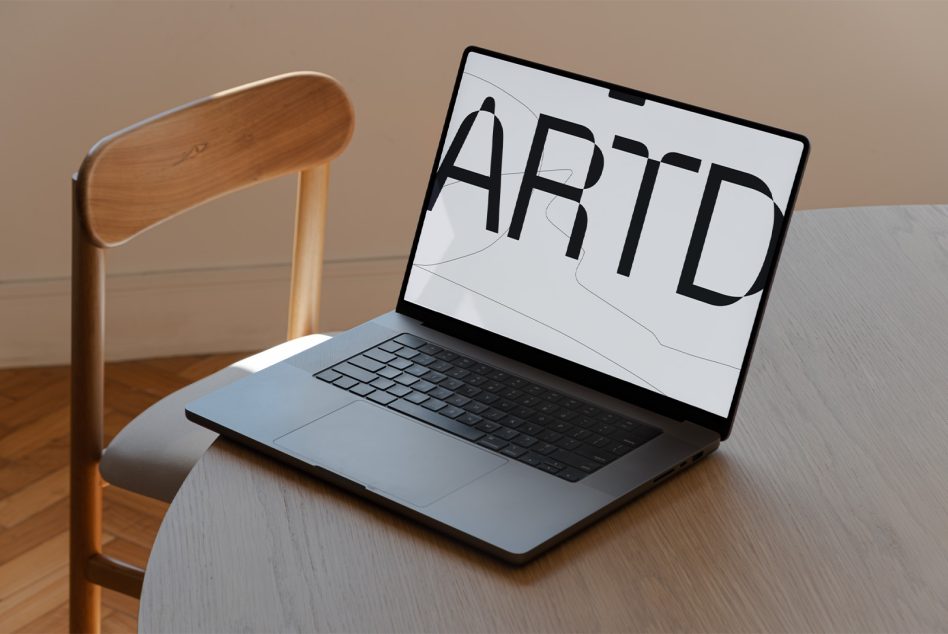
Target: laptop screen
(630,236)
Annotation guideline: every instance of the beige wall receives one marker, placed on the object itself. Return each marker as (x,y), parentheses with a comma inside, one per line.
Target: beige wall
(865,81)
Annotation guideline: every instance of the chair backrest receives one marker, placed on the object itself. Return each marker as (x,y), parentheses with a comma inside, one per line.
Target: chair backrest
(142,175)
(145,174)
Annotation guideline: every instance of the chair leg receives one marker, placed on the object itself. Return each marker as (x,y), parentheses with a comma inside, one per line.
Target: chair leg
(86,415)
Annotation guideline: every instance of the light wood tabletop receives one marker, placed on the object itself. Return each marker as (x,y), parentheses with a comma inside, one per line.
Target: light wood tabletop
(827,510)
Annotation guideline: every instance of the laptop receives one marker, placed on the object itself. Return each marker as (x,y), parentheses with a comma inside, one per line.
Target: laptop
(577,317)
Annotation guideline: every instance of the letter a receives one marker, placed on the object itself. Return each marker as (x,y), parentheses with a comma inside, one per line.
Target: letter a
(491,183)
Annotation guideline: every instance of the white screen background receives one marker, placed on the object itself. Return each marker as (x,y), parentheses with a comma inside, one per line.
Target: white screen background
(636,328)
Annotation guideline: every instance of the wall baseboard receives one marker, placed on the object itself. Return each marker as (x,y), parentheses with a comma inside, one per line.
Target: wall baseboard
(189,312)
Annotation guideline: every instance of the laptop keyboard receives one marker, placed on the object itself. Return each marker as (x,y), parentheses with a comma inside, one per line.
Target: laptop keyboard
(502,412)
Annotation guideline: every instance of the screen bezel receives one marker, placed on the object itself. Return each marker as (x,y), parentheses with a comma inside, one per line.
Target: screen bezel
(570,370)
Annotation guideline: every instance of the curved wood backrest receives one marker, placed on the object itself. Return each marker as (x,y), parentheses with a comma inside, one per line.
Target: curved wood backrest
(142,175)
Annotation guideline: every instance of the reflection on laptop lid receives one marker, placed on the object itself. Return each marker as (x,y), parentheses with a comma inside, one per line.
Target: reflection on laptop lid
(626,234)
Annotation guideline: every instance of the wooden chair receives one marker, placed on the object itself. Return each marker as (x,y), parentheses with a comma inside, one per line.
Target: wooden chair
(137,178)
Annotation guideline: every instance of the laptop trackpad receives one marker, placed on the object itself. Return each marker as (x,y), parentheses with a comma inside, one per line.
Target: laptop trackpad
(389,453)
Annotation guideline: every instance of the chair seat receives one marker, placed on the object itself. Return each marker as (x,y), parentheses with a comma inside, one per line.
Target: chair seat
(154,453)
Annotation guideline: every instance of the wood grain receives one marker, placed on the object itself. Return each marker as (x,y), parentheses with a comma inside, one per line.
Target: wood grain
(149,172)
(827,510)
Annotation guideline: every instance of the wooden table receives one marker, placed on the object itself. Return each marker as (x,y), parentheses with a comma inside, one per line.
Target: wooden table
(826,510)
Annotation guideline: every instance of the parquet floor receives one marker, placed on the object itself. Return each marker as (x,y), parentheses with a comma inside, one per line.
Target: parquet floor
(34,449)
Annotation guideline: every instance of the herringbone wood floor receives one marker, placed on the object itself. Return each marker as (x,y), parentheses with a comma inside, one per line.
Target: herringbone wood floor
(34,489)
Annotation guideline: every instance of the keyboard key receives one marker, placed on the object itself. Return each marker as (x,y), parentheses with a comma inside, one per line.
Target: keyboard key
(589,410)
(571,403)
(366,363)
(440,392)
(492,386)
(440,366)
(568,443)
(512,421)
(434,404)
(447,355)
(475,407)
(598,441)
(604,429)
(580,434)
(463,362)
(548,468)
(487,398)
(457,373)
(380,355)
(345,382)
(451,384)
(547,408)
(439,421)
(423,386)
(565,414)
(423,359)
(430,348)
(506,433)
(543,448)
(535,390)
(494,414)
(406,379)
(458,400)
(468,390)
(416,370)
(550,436)
(383,398)
(511,393)
(358,374)
(523,412)
(574,460)
(410,340)
(469,418)
(516,382)
(554,463)
(390,346)
(451,411)
(434,377)
(532,428)
(492,442)
(416,398)
(407,353)
(400,364)
(571,475)
(595,454)
(498,375)
(476,380)
(382,383)
(362,389)
(506,404)
(529,458)
(543,419)
(525,441)
(552,397)
(488,426)
(561,427)
(480,368)
(585,422)
(328,375)
(389,373)
(399,390)
(620,448)
(513,451)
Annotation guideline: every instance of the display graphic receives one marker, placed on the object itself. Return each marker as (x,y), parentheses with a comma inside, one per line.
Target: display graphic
(623,234)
